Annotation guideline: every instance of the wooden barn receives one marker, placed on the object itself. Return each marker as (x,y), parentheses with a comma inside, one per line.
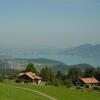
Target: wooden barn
(28,77)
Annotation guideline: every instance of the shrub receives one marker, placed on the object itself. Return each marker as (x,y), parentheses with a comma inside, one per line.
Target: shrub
(68,83)
(1,78)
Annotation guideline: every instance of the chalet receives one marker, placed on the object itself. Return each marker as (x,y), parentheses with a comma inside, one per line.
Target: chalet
(87,82)
(28,77)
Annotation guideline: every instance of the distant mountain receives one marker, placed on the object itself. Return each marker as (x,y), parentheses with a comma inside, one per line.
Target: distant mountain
(86,50)
(11,66)
(82,66)
(39,63)
(20,64)
(37,60)
(65,68)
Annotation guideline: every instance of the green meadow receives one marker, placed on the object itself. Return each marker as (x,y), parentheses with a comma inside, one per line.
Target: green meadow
(9,91)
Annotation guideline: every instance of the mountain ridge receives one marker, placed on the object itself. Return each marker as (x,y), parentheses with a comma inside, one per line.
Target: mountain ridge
(86,50)
(20,64)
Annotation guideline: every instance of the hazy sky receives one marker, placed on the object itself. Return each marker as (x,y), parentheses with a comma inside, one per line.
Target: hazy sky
(57,23)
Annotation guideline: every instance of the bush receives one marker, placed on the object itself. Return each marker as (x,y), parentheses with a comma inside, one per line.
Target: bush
(68,83)
(55,82)
(97,88)
(1,78)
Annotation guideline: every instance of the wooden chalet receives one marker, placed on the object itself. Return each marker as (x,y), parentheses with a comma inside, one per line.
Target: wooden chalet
(28,77)
(87,82)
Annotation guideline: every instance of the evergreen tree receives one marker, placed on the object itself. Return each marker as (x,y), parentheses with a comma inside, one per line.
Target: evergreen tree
(89,72)
(60,75)
(31,67)
(74,74)
(97,73)
(47,74)
(43,74)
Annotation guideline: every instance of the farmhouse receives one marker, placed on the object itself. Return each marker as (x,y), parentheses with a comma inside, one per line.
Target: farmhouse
(88,82)
(28,77)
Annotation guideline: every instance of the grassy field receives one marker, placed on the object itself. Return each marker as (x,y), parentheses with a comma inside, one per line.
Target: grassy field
(12,93)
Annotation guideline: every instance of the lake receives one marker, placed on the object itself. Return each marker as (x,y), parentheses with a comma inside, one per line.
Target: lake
(67,59)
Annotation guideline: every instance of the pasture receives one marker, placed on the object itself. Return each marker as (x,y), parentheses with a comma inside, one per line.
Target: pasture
(13,91)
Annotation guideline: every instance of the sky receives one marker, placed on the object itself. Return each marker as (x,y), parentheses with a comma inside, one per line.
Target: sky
(52,23)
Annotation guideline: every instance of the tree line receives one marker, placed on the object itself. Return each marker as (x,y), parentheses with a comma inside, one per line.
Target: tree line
(62,79)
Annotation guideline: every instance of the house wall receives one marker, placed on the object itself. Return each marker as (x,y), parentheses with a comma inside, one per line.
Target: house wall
(24,79)
(82,84)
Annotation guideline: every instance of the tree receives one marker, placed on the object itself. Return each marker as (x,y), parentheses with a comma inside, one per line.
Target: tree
(97,73)
(68,83)
(55,82)
(74,74)
(1,77)
(60,75)
(89,72)
(47,74)
(31,67)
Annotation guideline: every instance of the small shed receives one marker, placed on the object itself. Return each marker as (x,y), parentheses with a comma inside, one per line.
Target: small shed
(28,77)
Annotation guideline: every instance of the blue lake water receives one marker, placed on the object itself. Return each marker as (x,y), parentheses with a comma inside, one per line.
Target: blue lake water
(67,59)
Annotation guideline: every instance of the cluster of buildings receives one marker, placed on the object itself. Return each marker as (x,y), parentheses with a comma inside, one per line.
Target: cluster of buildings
(29,77)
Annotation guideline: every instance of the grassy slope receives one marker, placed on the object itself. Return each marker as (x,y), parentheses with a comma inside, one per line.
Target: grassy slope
(59,93)
(67,94)
(9,93)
